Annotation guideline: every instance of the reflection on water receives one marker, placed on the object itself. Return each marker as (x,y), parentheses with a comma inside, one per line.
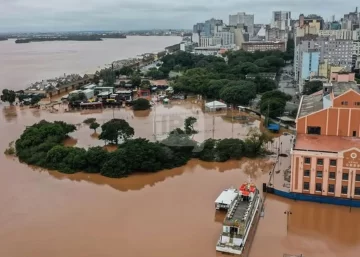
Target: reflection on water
(168,213)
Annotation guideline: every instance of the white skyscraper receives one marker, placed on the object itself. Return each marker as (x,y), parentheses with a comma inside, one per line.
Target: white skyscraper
(243,18)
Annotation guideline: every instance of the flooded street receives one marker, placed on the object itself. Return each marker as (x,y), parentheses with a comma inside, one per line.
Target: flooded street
(169,213)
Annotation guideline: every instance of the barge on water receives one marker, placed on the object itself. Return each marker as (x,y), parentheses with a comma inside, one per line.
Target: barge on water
(241,217)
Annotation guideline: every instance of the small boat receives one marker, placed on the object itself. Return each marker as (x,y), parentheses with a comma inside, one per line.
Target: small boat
(242,215)
(226,198)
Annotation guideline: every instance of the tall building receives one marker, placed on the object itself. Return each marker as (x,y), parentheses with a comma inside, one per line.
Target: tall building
(227,37)
(310,64)
(325,157)
(275,34)
(210,26)
(243,18)
(210,41)
(281,20)
(346,34)
(198,27)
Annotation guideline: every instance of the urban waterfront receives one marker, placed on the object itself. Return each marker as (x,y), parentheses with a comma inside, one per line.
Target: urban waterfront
(50,213)
(22,64)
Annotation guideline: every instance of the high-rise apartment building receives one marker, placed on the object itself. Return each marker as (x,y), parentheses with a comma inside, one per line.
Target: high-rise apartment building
(243,18)
(281,20)
(345,34)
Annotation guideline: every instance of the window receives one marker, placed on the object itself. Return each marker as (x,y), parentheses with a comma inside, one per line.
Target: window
(354,133)
(320,162)
(344,190)
(318,187)
(345,176)
(314,130)
(319,174)
(306,173)
(331,188)
(344,103)
(306,185)
(332,162)
(357,177)
(357,190)
(307,160)
(332,175)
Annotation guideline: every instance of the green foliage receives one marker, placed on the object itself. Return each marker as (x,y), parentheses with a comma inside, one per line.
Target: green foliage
(273,103)
(10,150)
(156,73)
(145,84)
(141,104)
(189,125)
(8,96)
(135,80)
(126,70)
(264,85)
(94,126)
(77,97)
(311,87)
(108,76)
(115,130)
(239,93)
(41,145)
(88,121)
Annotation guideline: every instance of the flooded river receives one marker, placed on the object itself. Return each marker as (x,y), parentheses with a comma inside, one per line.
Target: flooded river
(169,213)
(22,64)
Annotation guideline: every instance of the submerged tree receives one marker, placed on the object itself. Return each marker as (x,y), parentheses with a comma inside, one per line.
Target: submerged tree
(94,126)
(8,96)
(115,130)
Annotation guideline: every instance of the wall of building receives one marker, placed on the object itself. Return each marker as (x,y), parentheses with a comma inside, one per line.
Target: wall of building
(340,77)
(332,121)
(310,64)
(338,169)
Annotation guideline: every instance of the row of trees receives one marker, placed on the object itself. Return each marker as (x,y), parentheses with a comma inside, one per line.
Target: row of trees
(41,145)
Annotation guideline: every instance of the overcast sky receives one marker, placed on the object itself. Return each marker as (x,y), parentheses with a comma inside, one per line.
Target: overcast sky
(61,15)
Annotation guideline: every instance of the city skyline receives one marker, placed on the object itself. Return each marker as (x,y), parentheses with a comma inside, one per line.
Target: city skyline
(77,15)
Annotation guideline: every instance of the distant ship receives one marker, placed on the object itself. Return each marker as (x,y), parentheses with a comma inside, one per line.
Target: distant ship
(242,213)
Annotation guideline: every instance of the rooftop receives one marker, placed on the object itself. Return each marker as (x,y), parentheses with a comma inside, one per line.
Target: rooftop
(341,87)
(325,143)
(238,212)
(310,104)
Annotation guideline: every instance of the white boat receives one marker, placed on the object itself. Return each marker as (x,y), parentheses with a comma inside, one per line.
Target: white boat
(240,218)
(226,198)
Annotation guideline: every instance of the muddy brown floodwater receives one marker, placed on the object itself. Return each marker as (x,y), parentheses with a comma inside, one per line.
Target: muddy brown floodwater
(165,214)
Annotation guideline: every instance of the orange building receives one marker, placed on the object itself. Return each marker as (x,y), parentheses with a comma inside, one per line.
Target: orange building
(325,159)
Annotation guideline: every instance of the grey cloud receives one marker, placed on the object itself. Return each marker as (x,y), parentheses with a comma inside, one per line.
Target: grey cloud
(30,15)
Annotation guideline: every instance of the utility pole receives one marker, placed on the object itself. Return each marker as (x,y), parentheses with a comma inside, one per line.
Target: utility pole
(232,121)
(213,130)
(288,213)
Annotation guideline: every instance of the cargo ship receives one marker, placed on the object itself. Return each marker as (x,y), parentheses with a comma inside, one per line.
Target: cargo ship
(242,216)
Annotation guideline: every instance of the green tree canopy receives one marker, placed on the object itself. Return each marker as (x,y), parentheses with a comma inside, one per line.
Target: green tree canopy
(115,130)
(273,103)
(240,93)
(94,126)
(135,80)
(141,104)
(311,87)
(126,70)
(8,96)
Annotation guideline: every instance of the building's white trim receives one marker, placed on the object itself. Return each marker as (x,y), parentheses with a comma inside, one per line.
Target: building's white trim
(349,122)
(338,120)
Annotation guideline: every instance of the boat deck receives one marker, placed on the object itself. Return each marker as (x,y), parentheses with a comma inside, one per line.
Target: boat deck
(237,211)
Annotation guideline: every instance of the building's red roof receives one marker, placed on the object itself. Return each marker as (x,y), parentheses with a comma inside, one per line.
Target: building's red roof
(325,143)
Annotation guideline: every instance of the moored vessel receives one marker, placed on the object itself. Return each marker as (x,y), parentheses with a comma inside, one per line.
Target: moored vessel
(241,217)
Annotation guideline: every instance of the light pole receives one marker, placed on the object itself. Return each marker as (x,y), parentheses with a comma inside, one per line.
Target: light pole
(288,213)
